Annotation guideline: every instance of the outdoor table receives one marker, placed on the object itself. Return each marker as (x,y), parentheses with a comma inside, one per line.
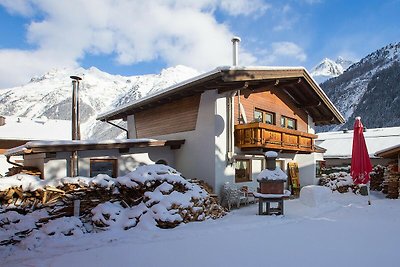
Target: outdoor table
(265,200)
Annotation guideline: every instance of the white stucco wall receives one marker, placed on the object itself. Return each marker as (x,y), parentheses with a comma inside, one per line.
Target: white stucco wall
(36,160)
(307,168)
(195,158)
(311,125)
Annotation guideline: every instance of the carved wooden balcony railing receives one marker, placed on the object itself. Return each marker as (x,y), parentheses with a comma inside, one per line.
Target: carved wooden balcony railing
(257,135)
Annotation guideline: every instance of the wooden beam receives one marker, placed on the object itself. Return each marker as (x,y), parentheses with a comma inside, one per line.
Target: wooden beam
(311,105)
(252,75)
(324,120)
(123,146)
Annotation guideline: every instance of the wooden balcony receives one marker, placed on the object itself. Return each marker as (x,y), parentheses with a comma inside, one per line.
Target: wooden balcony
(264,136)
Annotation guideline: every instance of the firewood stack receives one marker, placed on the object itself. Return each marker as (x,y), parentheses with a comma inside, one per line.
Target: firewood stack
(393,186)
(58,199)
(377,178)
(204,185)
(26,170)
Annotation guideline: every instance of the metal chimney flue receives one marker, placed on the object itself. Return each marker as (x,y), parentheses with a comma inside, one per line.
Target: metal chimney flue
(235,41)
(76,133)
(75,108)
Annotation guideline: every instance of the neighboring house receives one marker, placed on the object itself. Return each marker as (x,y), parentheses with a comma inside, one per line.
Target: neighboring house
(112,157)
(391,153)
(230,116)
(16,131)
(338,145)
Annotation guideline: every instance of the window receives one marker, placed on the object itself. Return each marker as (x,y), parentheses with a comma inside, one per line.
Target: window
(242,170)
(264,116)
(258,115)
(289,123)
(103,166)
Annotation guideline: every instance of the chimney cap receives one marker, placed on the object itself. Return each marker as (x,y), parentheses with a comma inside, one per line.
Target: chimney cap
(75,77)
(236,39)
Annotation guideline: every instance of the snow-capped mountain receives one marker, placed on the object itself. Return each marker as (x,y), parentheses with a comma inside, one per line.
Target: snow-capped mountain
(370,89)
(50,95)
(328,68)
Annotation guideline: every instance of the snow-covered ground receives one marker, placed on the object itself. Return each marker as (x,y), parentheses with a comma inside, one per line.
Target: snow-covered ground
(343,231)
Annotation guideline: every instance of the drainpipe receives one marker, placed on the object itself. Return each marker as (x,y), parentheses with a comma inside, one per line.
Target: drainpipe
(8,158)
(230,107)
(230,128)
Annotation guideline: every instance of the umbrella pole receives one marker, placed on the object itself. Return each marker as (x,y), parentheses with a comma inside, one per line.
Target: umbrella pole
(369,196)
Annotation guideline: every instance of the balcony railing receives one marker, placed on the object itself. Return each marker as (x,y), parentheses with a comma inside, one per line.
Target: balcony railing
(265,136)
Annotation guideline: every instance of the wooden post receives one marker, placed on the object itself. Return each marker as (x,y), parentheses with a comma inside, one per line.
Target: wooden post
(77,206)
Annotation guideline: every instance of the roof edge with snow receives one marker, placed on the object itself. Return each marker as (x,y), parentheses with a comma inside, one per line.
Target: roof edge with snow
(36,147)
(235,78)
(390,152)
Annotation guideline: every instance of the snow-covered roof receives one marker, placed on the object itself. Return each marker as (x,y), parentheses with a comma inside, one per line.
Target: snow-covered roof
(77,145)
(22,128)
(339,144)
(389,152)
(276,72)
(275,175)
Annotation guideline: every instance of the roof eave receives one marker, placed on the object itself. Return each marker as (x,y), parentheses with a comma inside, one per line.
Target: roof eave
(227,73)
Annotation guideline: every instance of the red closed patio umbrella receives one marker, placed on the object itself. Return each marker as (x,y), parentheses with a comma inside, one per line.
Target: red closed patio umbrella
(360,162)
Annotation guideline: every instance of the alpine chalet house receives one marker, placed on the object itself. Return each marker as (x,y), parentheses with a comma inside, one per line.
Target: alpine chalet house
(230,116)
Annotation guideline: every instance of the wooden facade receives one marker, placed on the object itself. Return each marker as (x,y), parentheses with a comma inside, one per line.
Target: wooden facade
(7,144)
(177,116)
(260,135)
(280,105)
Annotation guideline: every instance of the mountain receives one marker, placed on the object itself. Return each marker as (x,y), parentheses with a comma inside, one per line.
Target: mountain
(328,68)
(50,96)
(370,89)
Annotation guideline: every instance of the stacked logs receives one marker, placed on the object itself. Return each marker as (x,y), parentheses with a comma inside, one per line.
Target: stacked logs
(59,201)
(25,170)
(15,197)
(393,186)
(377,178)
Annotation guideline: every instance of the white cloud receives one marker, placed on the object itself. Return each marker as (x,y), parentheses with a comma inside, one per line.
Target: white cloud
(17,67)
(21,7)
(244,7)
(174,31)
(289,49)
(282,53)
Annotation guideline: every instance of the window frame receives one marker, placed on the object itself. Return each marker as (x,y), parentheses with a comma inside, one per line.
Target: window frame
(114,166)
(264,114)
(248,172)
(285,124)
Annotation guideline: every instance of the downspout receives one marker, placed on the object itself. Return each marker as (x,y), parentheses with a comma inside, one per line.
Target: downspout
(230,128)
(119,127)
(230,107)
(8,158)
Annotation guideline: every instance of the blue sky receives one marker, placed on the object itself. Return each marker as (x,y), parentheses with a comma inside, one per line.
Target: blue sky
(131,37)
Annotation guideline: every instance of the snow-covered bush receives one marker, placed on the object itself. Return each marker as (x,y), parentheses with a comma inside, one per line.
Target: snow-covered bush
(339,181)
